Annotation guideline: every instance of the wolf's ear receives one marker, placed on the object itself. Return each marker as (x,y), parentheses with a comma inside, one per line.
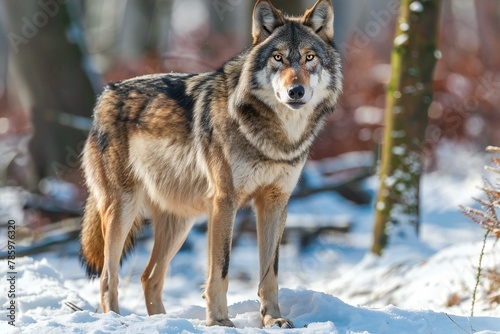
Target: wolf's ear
(320,19)
(266,18)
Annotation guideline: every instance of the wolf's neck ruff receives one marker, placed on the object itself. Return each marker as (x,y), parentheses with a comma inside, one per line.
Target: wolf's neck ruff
(270,134)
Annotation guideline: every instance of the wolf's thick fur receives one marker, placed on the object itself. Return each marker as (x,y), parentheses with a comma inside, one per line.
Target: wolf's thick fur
(170,147)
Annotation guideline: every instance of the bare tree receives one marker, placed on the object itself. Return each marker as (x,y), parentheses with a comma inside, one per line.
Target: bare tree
(408,98)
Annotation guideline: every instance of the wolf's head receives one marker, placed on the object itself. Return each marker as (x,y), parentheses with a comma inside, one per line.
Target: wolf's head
(294,61)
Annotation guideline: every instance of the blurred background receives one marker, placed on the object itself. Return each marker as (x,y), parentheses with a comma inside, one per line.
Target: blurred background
(56,56)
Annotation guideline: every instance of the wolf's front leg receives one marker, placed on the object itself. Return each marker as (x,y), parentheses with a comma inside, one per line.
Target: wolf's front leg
(271,205)
(220,230)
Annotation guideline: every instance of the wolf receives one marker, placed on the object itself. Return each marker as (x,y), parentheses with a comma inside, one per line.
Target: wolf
(171,147)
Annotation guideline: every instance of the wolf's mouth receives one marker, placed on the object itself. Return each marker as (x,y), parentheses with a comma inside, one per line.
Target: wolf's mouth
(295,105)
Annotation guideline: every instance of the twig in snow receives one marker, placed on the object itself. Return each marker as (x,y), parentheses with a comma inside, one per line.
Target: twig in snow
(458,324)
(73,306)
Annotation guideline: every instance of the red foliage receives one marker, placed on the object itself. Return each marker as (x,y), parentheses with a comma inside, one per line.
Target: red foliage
(467,82)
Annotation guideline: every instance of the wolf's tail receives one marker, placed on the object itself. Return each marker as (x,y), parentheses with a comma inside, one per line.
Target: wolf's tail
(92,240)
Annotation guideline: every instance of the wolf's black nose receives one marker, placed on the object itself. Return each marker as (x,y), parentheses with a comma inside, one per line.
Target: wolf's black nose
(296,92)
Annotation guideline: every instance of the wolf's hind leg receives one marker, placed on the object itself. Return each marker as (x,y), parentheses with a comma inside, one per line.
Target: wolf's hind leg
(117,220)
(271,206)
(170,232)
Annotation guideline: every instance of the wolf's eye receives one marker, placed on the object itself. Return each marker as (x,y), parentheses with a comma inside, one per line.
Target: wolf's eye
(310,57)
(278,58)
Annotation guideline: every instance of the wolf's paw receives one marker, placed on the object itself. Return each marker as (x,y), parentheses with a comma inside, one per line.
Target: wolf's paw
(280,322)
(222,322)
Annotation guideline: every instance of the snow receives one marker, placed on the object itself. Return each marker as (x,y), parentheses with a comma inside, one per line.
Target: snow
(398,150)
(404,26)
(401,39)
(313,312)
(416,6)
(334,285)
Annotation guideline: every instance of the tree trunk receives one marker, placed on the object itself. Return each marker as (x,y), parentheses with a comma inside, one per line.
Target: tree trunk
(52,78)
(408,98)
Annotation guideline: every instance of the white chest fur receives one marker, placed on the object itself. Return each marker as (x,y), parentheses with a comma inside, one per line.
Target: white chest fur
(294,122)
(249,176)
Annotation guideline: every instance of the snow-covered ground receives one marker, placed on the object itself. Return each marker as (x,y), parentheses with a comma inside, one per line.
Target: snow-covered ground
(333,285)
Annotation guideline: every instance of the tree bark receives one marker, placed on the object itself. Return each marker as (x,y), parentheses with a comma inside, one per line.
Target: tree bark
(409,95)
